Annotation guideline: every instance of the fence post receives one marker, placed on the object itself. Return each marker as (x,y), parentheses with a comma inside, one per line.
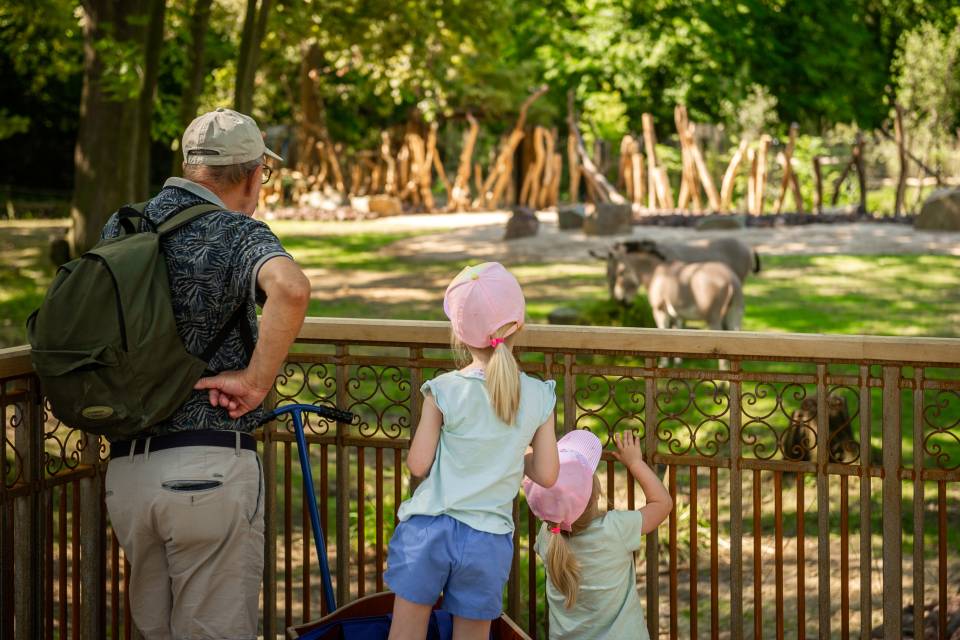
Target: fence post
(343,478)
(918,451)
(823,505)
(892,497)
(866,424)
(270,522)
(653,547)
(92,544)
(736,508)
(28,549)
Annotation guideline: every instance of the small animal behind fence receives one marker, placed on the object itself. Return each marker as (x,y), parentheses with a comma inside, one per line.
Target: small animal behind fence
(801,437)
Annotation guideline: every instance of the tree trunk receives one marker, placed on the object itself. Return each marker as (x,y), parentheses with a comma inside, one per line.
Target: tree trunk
(190,97)
(148,95)
(254,28)
(106,150)
(603,190)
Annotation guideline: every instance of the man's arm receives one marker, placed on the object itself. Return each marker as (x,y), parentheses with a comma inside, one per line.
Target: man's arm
(288,294)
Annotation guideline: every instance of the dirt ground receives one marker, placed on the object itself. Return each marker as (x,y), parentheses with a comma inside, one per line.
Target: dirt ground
(479,236)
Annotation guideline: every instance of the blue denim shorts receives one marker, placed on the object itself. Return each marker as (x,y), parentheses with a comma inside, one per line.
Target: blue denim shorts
(430,555)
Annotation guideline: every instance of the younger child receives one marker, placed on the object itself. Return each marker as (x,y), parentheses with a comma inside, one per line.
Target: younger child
(588,556)
(455,535)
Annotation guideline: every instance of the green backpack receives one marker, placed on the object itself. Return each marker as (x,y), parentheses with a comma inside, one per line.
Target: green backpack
(104,342)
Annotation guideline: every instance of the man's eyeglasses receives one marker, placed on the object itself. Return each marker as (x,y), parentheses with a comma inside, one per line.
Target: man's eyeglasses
(267,172)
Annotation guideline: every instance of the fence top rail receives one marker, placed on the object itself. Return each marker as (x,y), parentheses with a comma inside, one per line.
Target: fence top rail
(15,361)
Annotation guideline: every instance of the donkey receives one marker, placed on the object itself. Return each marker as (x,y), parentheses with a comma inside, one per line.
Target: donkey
(677,291)
(736,253)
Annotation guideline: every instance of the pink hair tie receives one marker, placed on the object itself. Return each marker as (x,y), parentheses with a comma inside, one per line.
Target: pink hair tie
(554,529)
(496,341)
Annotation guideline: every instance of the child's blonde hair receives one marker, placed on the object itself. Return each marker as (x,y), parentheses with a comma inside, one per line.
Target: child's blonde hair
(502,373)
(563,568)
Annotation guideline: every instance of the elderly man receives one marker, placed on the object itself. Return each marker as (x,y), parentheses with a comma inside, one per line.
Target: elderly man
(186,498)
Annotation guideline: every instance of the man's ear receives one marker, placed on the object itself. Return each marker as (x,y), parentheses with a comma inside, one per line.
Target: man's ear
(253,181)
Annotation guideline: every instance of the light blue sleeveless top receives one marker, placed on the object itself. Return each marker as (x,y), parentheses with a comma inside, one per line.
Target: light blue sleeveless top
(478,466)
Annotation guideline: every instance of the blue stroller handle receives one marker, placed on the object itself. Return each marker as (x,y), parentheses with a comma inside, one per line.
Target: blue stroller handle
(296,412)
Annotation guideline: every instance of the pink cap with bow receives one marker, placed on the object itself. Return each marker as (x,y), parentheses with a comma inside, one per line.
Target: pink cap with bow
(566,500)
(482,299)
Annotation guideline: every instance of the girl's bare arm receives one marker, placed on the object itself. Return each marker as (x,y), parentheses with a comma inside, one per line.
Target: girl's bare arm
(423,449)
(659,502)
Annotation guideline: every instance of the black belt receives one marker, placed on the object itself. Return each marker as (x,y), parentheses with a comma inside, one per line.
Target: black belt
(184,439)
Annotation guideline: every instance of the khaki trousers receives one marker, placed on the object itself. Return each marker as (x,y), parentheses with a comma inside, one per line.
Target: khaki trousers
(190,521)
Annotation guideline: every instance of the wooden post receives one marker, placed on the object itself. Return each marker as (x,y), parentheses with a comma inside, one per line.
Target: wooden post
(573,160)
(546,184)
(730,175)
(636,163)
(460,194)
(602,189)
(28,550)
(92,544)
(788,169)
(752,182)
(902,156)
(386,155)
(270,522)
(650,142)
(818,183)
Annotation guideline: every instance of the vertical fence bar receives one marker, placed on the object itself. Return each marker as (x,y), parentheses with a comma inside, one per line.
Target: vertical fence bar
(736,509)
(694,526)
(778,546)
(569,389)
(361,518)
(324,516)
(62,587)
(823,505)
(305,527)
(288,536)
(114,587)
(714,557)
(942,555)
(343,477)
(48,573)
(269,523)
(866,459)
(801,561)
(513,583)
(844,561)
(918,502)
(892,502)
(757,559)
(91,548)
(531,574)
(674,590)
(653,547)
(379,506)
(75,561)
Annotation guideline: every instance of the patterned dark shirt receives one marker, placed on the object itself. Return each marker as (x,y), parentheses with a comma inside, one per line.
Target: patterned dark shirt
(212,264)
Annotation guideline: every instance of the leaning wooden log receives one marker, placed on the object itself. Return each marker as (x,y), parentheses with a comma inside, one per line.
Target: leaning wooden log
(332,152)
(604,191)
(403,171)
(708,187)
(902,156)
(573,167)
(788,169)
(689,190)
(839,182)
(650,142)
(500,173)
(818,185)
(545,195)
(426,169)
(386,155)
(636,174)
(752,181)
(730,175)
(554,190)
(530,191)
(761,184)
(460,193)
(861,172)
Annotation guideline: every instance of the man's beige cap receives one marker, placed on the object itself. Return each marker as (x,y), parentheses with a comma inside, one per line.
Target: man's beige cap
(224,137)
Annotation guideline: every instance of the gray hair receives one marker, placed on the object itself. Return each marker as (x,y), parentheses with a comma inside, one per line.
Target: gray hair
(221,175)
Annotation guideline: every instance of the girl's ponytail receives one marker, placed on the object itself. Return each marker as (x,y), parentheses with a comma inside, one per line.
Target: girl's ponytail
(503,378)
(563,567)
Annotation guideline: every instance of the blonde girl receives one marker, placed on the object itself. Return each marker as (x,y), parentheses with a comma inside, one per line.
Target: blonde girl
(455,535)
(588,555)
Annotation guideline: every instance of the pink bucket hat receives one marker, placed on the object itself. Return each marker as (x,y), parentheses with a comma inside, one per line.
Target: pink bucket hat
(482,299)
(566,500)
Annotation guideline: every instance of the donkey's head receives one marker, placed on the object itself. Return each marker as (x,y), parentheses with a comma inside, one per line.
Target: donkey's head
(629,266)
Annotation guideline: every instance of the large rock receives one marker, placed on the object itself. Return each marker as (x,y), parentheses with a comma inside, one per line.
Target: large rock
(571,216)
(940,212)
(564,315)
(609,219)
(522,224)
(385,205)
(709,223)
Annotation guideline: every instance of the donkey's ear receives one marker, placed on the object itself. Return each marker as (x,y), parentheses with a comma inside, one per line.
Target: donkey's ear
(599,256)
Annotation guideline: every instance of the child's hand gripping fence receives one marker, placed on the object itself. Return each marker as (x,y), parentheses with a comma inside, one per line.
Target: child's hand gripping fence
(296,413)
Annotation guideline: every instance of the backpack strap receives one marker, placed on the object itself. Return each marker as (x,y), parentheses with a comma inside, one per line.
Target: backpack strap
(237,321)
(186,216)
(127,213)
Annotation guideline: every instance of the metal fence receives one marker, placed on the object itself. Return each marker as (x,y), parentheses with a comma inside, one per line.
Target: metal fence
(789,473)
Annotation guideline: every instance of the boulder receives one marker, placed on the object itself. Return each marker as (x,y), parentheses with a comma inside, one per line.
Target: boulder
(609,219)
(940,212)
(522,224)
(571,216)
(709,223)
(384,205)
(564,315)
